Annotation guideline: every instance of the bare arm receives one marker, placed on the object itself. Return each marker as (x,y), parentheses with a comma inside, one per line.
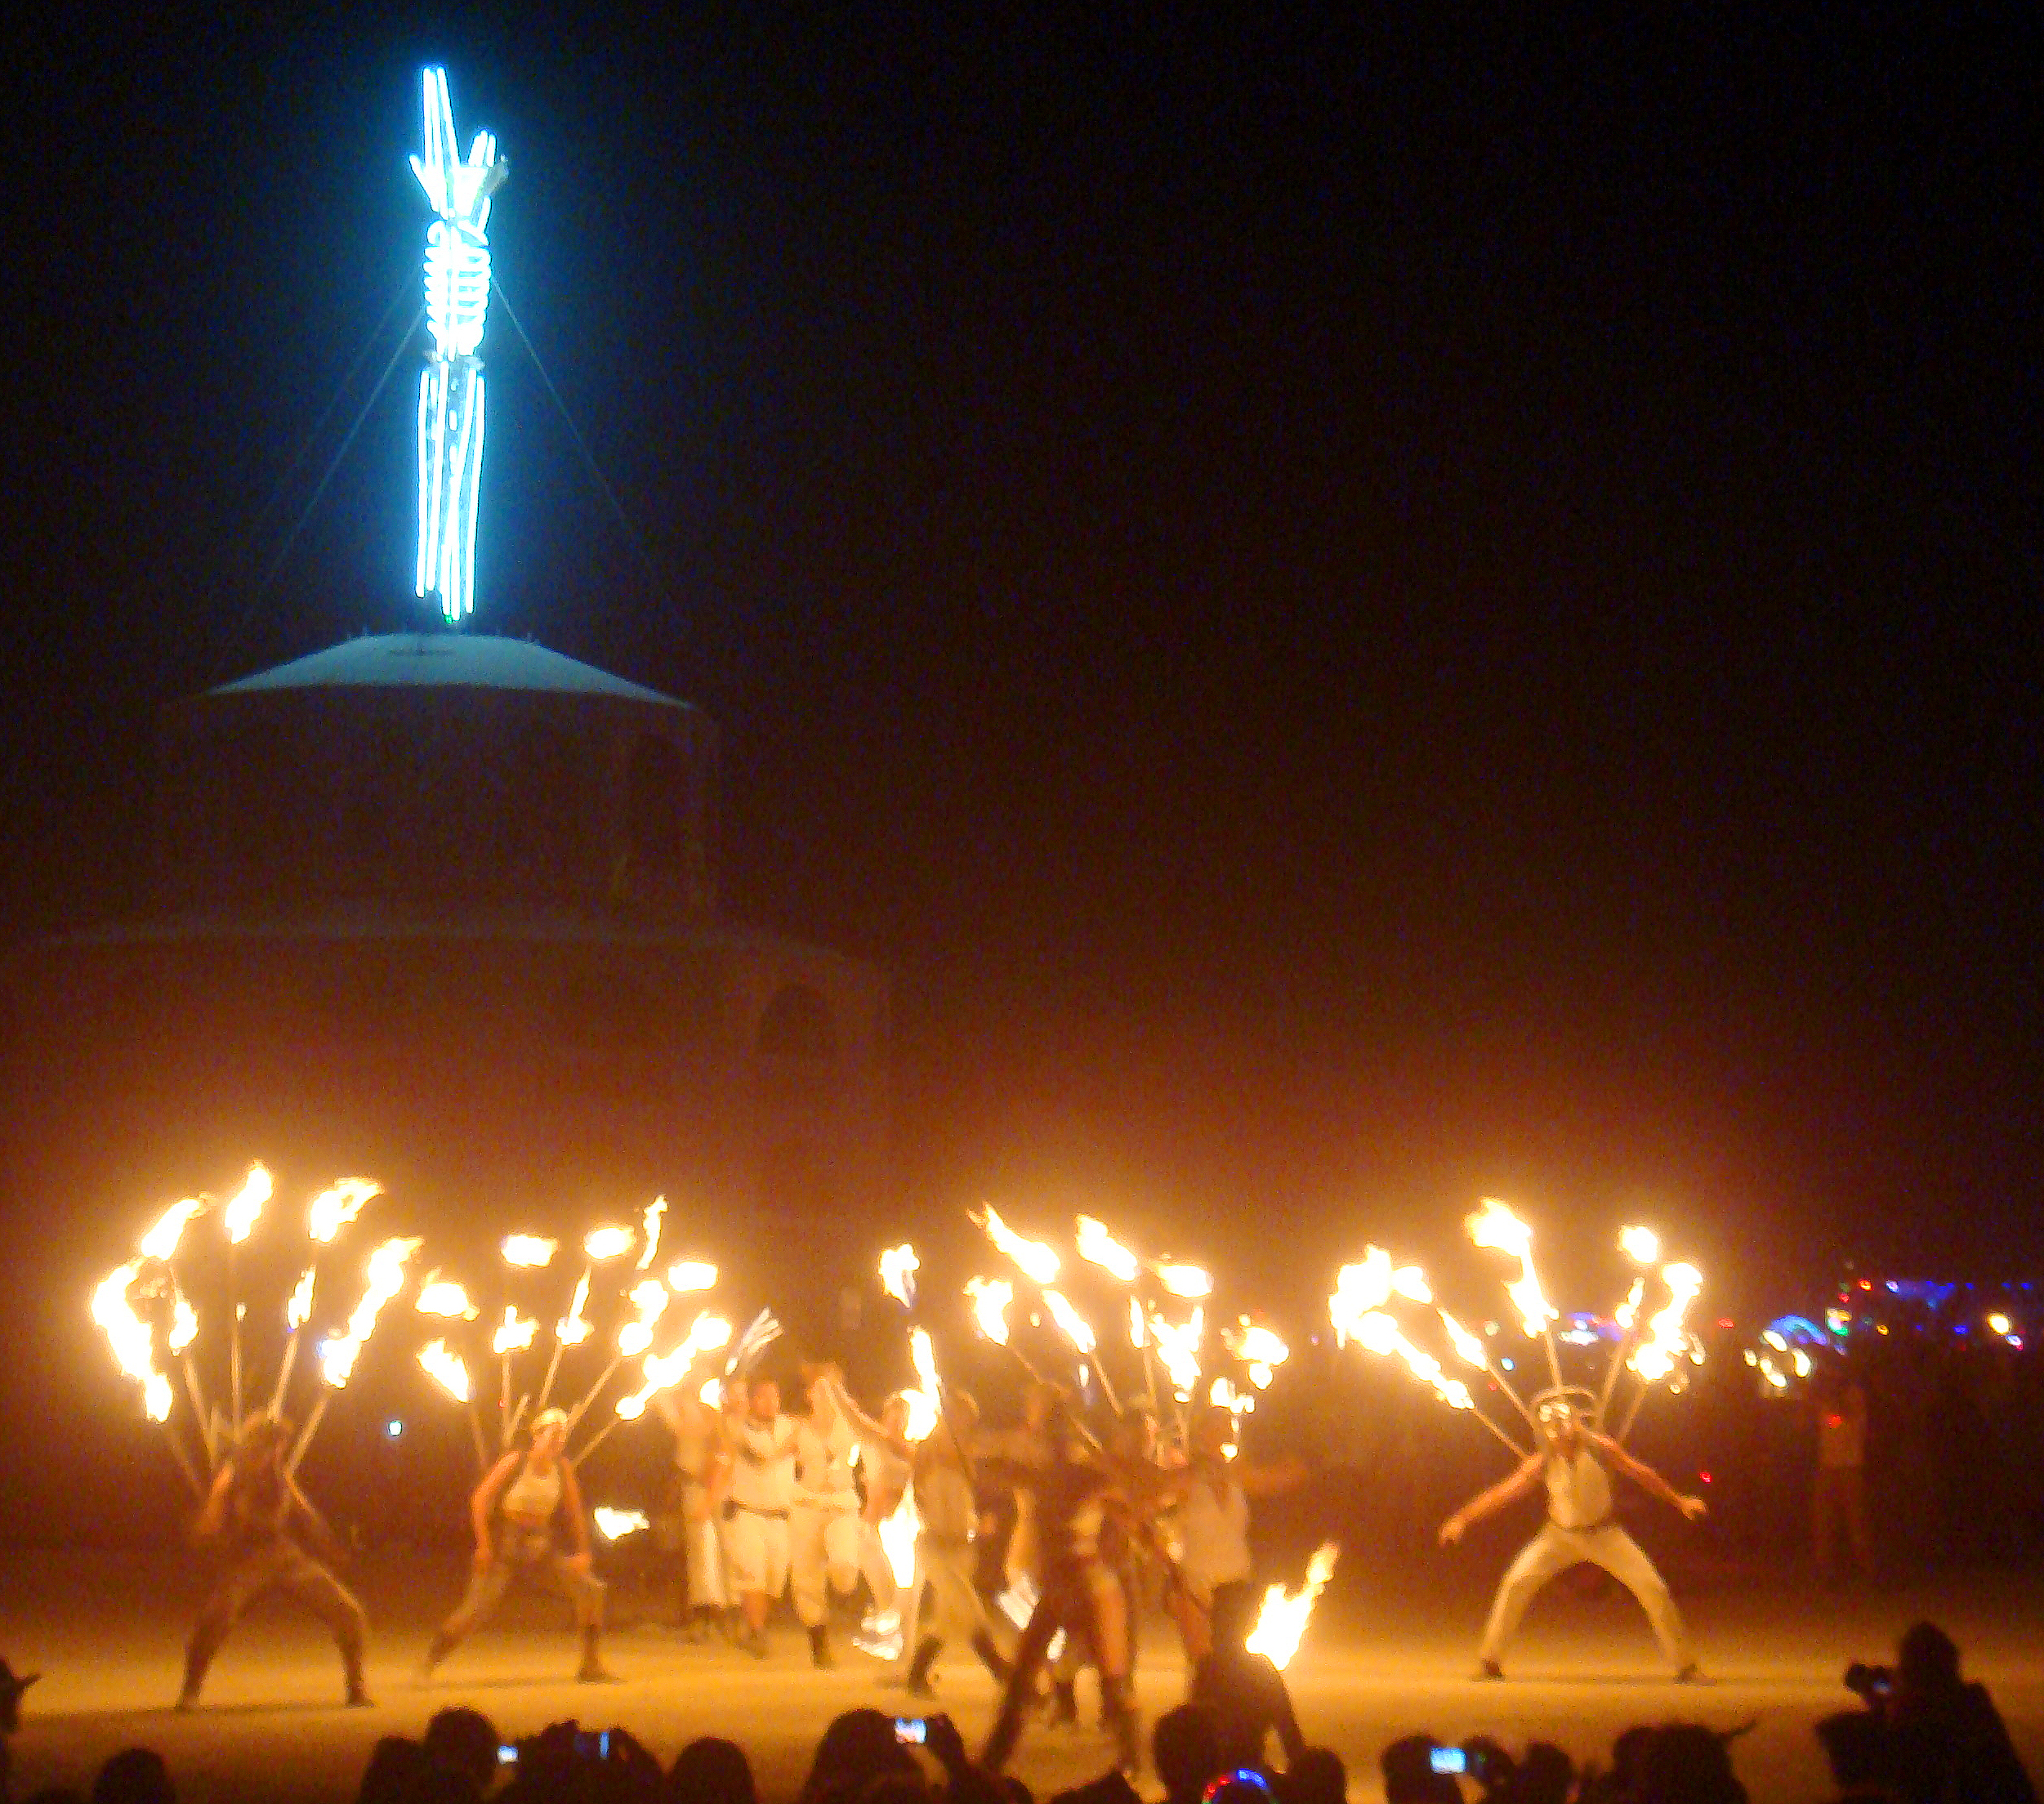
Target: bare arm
(866,1427)
(1285,1720)
(578,1517)
(322,1530)
(1500,1496)
(482,1503)
(1283,1475)
(212,1513)
(1647,1479)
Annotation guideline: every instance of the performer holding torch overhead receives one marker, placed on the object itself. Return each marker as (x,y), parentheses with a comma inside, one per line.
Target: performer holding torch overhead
(515,1511)
(1581,1525)
(249,1512)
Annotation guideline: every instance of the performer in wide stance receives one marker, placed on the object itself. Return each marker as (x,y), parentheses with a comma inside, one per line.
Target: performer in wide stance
(249,1513)
(1581,1525)
(516,1511)
(1074,1489)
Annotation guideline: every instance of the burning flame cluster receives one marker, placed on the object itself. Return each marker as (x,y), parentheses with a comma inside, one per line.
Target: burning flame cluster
(1151,1283)
(146,1318)
(1359,1310)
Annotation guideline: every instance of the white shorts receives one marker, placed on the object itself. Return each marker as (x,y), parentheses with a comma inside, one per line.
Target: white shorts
(756,1549)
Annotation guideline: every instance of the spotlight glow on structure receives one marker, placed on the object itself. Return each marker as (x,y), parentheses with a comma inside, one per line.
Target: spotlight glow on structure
(450,423)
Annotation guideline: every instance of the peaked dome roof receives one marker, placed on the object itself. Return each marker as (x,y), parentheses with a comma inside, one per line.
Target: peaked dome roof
(420,660)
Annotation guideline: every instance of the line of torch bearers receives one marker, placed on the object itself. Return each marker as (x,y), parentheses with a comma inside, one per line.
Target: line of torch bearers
(1162,1314)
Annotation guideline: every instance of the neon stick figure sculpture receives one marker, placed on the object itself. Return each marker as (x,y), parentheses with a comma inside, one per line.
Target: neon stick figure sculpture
(451,388)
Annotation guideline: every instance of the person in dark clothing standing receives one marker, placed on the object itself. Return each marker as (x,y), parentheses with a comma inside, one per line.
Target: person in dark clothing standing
(1245,1692)
(249,1513)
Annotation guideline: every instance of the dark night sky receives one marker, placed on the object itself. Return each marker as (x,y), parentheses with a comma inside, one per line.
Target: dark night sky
(1361,610)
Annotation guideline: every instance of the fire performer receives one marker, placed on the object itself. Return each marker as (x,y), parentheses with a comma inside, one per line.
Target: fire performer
(249,1513)
(1581,1526)
(1211,1519)
(515,1511)
(823,1521)
(1074,1490)
(756,1511)
(886,1460)
(947,1512)
(688,1521)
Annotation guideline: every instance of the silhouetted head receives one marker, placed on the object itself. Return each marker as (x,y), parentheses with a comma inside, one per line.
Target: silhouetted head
(465,1739)
(1235,1607)
(712,1770)
(1926,1662)
(1316,1777)
(1688,1763)
(859,1748)
(134,1776)
(1185,1749)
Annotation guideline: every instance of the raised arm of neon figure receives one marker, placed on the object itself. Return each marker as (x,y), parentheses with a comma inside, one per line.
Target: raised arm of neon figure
(451,404)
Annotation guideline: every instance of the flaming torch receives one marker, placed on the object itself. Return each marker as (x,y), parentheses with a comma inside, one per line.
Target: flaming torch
(990,1297)
(1032,1258)
(513,1335)
(447,1369)
(664,1372)
(1097,1247)
(898,1268)
(239,1218)
(1642,1246)
(1190,1283)
(650,1298)
(330,1211)
(1282,1620)
(649,1231)
(129,1337)
(1666,1340)
(571,1330)
(1495,1227)
(337,1356)
(161,1244)
(1357,1312)
(691,1275)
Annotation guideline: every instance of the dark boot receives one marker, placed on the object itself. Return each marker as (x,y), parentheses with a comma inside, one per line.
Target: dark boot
(918,1680)
(359,1698)
(819,1653)
(1116,1706)
(196,1661)
(592,1671)
(991,1657)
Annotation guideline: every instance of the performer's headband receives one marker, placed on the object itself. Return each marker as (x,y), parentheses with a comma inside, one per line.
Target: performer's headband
(1565,1403)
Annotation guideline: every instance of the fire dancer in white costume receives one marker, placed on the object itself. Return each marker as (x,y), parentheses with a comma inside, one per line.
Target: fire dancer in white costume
(947,1512)
(822,1522)
(756,1511)
(885,1462)
(1210,1522)
(687,1520)
(1581,1526)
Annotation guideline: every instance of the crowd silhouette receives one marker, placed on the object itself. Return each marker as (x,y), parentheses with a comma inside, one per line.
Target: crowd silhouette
(1924,1734)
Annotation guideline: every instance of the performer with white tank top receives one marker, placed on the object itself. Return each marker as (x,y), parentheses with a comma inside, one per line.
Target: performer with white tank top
(1582,1525)
(1210,1524)
(515,1511)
